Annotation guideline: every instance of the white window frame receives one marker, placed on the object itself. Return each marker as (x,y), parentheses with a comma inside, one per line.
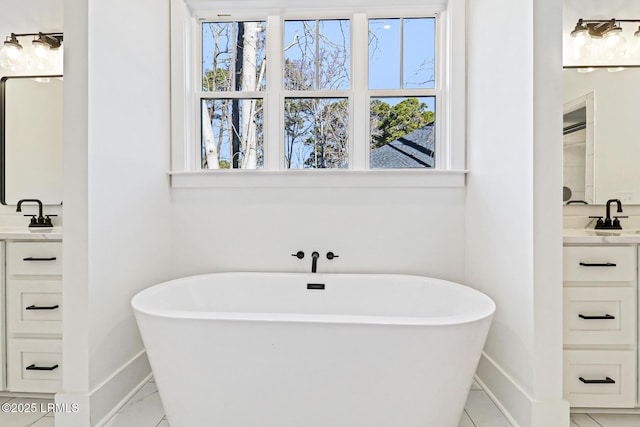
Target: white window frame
(450,95)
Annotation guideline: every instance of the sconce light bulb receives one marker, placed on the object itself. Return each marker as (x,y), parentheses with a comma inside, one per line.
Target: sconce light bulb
(614,45)
(42,58)
(580,42)
(40,48)
(12,57)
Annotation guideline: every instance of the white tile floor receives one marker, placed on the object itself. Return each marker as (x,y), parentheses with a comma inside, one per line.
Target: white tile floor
(605,420)
(23,412)
(144,409)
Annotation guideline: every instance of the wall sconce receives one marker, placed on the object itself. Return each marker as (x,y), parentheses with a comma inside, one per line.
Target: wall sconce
(608,35)
(41,58)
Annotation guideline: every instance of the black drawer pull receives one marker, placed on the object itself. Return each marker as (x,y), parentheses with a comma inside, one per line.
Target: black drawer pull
(600,264)
(39,259)
(605,317)
(606,380)
(33,307)
(33,367)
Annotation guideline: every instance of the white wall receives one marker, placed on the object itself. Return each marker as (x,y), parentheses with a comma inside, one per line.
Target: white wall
(414,231)
(500,144)
(513,204)
(116,193)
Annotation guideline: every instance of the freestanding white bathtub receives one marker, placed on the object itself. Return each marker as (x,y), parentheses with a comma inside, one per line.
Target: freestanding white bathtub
(313,350)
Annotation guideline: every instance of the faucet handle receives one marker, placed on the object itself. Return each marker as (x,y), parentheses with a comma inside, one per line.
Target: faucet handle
(47,219)
(616,221)
(34,220)
(298,255)
(600,223)
(331,255)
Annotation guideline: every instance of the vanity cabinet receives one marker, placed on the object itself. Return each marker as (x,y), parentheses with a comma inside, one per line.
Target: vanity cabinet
(33,289)
(600,325)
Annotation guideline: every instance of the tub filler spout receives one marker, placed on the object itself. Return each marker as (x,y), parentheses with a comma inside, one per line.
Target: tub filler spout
(314,261)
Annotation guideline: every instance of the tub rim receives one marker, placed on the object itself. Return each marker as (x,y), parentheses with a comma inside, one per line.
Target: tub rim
(487,310)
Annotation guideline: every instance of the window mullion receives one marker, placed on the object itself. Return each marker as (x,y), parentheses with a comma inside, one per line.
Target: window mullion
(274,103)
(359,103)
(401,52)
(194,154)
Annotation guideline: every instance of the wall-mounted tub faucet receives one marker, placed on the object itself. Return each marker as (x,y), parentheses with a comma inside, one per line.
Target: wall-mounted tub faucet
(314,262)
(314,258)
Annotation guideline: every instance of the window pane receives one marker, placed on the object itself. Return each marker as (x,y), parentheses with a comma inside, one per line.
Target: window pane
(419,53)
(402,53)
(402,132)
(316,133)
(384,53)
(232,134)
(233,56)
(317,54)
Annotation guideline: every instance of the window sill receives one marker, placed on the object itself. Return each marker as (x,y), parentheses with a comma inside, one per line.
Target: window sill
(396,178)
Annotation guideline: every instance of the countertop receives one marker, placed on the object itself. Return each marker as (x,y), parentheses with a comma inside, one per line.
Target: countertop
(591,236)
(26,233)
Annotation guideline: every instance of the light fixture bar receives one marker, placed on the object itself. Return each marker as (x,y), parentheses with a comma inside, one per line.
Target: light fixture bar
(597,27)
(56,35)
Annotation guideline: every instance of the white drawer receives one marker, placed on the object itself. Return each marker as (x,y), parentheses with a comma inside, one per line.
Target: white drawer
(34,258)
(599,263)
(34,306)
(34,365)
(605,379)
(599,316)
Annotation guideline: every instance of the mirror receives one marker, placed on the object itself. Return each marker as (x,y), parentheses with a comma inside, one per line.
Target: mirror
(31,144)
(605,153)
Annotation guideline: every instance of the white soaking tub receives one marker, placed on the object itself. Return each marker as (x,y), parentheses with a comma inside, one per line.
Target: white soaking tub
(313,350)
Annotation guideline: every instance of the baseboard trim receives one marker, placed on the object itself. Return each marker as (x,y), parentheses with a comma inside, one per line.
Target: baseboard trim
(109,396)
(515,402)
(100,404)
(119,406)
